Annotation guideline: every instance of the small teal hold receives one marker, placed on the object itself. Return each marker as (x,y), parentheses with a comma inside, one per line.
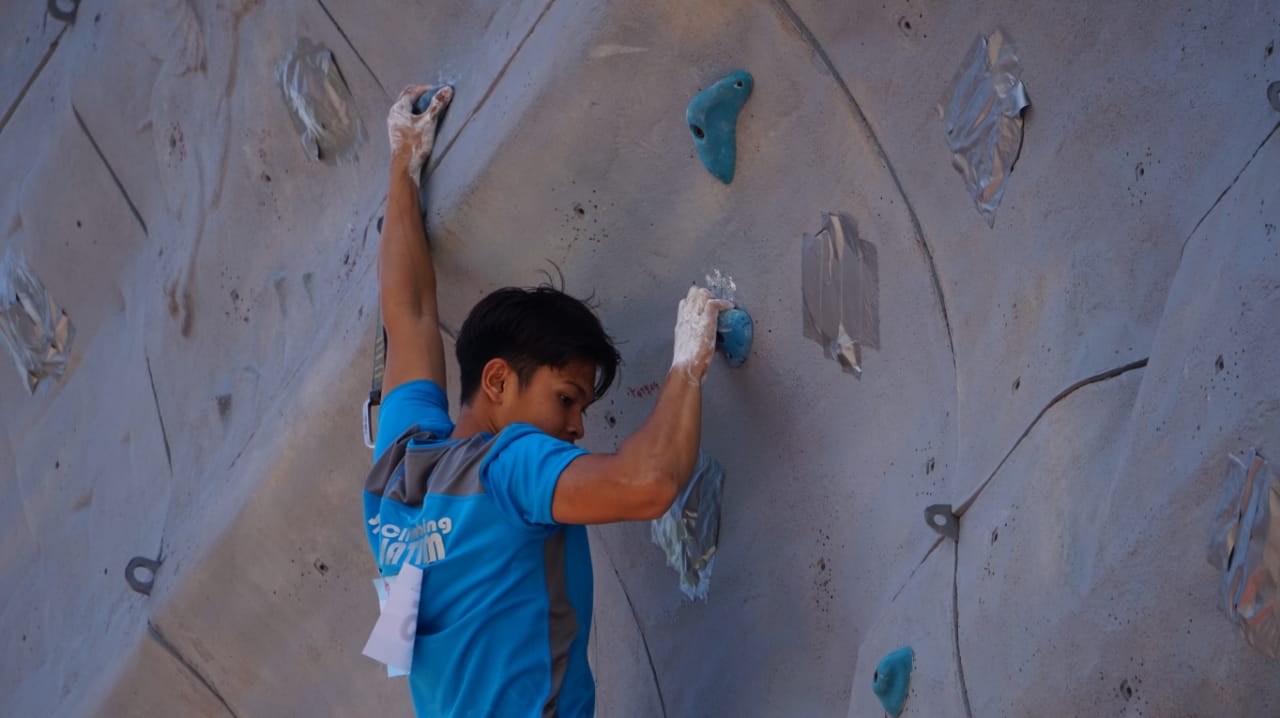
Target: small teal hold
(734,331)
(421,104)
(892,679)
(713,120)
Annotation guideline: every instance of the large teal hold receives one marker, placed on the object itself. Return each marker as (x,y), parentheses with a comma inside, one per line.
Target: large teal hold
(892,679)
(734,331)
(713,120)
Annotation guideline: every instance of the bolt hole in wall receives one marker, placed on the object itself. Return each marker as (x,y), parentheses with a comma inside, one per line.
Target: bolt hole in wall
(1017,383)
(1218,364)
(995,535)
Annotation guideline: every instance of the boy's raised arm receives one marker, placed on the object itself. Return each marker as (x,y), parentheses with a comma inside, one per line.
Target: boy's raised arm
(406,275)
(648,471)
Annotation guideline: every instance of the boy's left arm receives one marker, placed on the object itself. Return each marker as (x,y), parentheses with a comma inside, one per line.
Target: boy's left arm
(406,274)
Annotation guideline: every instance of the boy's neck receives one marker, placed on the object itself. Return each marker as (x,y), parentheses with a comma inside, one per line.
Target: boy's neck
(472,421)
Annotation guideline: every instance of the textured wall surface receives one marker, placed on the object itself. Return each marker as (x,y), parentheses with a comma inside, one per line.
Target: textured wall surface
(1070,379)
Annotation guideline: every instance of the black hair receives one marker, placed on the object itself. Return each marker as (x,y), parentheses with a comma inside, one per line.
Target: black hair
(531,328)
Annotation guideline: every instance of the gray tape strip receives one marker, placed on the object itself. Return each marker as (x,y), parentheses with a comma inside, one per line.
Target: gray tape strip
(320,103)
(840,285)
(35,330)
(1245,543)
(982,117)
(689,532)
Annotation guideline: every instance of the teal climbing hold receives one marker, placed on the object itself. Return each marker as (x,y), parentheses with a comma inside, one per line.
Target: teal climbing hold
(734,331)
(893,677)
(713,120)
(421,104)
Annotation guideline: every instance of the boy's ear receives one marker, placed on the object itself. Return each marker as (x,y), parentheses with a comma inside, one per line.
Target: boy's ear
(495,379)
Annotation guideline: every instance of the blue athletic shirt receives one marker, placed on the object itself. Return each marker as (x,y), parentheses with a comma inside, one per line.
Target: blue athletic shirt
(505,612)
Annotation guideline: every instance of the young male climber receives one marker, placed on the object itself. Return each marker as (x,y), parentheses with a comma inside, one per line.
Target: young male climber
(493,507)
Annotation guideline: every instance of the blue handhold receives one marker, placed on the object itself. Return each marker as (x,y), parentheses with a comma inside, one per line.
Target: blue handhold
(421,104)
(734,331)
(713,120)
(893,677)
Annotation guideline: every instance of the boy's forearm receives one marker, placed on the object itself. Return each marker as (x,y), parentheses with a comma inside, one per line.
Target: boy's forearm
(661,455)
(406,273)
(666,445)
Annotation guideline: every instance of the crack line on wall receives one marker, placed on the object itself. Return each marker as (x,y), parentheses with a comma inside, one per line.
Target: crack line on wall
(635,617)
(48,54)
(936,543)
(436,160)
(164,435)
(959,511)
(1222,196)
(865,125)
(114,177)
(1109,374)
(164,643)
(955,627)
(352,45)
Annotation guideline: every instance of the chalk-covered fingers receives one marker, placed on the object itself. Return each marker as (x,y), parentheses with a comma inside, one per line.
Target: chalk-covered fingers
(400,120)
(695,337)
(413,136)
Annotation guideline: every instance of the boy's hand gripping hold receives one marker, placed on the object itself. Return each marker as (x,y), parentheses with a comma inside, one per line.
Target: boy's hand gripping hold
(695,339)
(414,136)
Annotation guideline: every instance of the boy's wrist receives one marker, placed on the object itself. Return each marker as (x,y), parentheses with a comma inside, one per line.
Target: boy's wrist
(400,165)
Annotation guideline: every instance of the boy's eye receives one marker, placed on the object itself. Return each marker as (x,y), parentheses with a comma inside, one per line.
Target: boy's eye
(566,400)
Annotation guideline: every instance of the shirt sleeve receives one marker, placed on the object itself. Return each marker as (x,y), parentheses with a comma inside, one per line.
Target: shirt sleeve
(421,403)
(521,470)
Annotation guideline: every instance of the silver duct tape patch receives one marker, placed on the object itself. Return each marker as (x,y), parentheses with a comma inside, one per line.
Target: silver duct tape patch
(35,330)
(320,103)
(982,116)
(1245,544)
(840,282)
(689,531)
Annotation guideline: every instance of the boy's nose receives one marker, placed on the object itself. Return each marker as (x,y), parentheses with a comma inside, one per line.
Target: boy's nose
(575,429)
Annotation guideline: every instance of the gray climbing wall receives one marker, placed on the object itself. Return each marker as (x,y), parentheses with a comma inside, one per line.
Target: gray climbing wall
(1070,379)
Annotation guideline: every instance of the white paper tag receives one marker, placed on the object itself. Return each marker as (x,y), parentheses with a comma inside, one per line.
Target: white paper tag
(382,585)
(391,641)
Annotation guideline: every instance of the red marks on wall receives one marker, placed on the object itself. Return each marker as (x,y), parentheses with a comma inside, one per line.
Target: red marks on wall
(640,392)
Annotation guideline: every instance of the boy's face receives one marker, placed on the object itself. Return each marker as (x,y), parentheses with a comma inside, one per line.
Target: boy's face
(554,400)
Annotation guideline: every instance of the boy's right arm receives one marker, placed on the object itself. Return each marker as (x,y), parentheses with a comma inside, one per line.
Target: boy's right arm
(648,471)
(406,272)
